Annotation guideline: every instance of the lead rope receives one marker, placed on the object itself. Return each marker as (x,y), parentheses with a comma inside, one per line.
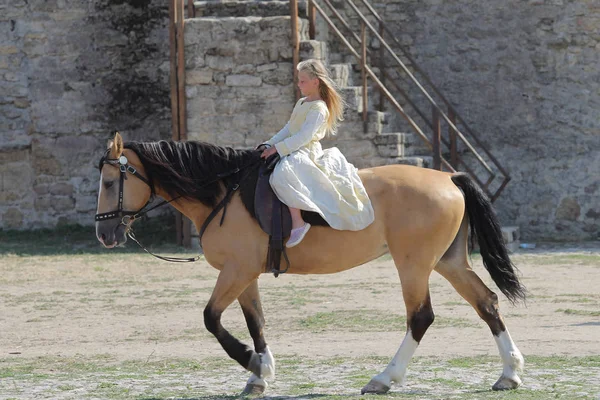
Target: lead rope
(171,259)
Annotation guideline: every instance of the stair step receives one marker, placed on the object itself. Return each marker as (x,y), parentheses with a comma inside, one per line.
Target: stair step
(414,145)
(511,234)
(314,49)
(400,145)
(420,161)
(353,127)
(353,96)
(246,8)
(341,74)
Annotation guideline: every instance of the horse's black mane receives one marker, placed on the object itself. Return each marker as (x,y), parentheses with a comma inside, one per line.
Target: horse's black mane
(192,170)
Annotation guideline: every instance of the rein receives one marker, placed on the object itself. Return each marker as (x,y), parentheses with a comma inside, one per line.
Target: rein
(128,217)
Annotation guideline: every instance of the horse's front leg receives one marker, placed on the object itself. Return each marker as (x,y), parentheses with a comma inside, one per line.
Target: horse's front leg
(250,303)
(233,280)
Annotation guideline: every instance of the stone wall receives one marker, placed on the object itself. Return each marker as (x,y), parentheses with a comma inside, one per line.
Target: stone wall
(526,76)
(239,82)
(72,71)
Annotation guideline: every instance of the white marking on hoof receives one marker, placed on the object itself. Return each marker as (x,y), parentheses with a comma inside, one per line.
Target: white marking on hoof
(262,364)
(375,387)
(512,360)
(396,369)
(267,364)
(505,383)
(255,386)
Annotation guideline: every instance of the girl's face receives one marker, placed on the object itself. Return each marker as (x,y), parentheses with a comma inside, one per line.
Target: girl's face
(308,86)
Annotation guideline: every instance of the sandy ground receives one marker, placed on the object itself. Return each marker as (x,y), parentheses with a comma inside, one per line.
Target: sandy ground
(133,307)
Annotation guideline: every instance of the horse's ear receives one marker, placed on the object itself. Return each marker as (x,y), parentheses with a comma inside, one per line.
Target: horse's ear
(116,146)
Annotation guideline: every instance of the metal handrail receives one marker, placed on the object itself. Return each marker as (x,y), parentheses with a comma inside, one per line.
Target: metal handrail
(418,84)
(451,108)
(372,75)
(451,121)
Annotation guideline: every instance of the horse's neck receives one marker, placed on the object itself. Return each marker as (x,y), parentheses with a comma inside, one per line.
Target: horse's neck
(193,209)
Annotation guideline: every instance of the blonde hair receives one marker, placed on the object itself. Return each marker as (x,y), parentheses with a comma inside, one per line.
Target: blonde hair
(327,90)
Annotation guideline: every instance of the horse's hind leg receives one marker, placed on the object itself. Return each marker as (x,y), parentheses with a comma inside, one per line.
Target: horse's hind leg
(415,289)
(454,266)
(250,303)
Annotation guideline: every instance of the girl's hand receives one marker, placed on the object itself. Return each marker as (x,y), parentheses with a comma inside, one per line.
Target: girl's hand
(268,152)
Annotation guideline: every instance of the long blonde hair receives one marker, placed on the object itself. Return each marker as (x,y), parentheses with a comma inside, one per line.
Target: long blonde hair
(327,91)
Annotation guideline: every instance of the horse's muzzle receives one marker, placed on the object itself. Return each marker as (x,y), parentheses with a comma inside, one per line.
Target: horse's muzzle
(111,233)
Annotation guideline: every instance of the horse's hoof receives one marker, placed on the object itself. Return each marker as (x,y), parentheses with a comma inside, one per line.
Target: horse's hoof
(375,387)
(253,390)
(505,383)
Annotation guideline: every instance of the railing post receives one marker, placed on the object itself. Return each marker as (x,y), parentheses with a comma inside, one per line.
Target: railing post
(191,9)
(452,136)
(173,74)
(381,66)
(363,72)
(312,20)
(181,70)
(295,43)
(437,133)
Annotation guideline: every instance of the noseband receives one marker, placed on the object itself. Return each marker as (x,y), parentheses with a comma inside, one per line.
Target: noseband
(126,216)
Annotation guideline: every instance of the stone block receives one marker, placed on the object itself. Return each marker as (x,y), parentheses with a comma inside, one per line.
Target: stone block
(201,106)
(63,203)
(219,63)
(233,139)
(247,69)
(43,203)
(86,203)
(568,209)
(198,77)
(390,145)
(61,189)
(282,75)
(510,234)
(266,67)
(12,219)
(313,49)
(243,80)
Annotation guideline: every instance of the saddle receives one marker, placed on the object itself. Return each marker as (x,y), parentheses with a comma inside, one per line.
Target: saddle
(273,216)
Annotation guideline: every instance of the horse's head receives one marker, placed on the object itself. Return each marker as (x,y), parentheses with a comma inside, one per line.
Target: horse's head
(124,191)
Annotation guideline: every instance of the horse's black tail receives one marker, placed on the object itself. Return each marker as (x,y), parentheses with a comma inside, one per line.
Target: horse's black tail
(486,228)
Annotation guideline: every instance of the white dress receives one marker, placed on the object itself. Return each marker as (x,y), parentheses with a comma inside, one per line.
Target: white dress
(310,178)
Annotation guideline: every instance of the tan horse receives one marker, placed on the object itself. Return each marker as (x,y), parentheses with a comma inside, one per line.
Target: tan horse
(422,219)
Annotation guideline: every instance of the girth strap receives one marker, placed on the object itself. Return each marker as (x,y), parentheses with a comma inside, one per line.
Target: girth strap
(222,205)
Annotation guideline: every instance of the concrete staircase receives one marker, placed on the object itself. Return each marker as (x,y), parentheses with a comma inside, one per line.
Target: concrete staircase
(382,143)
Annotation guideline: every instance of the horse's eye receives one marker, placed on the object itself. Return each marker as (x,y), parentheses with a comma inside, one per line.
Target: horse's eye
(108,184)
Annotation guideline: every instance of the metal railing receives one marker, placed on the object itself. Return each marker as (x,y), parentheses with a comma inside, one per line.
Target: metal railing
(456,137)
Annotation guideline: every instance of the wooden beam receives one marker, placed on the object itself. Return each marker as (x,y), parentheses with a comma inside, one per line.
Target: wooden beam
(181,71)
(437,136)
(173,72)
(295,42)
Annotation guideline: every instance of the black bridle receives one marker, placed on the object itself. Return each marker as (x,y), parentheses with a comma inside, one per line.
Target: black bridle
(123,164)
(128,217)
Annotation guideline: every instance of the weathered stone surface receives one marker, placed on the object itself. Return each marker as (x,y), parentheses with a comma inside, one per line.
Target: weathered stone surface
(12,218)
(569,209)
(202,77)
(243,80)
(526,79)
(70,75)
(525,76)
(61,189)
(249,97)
